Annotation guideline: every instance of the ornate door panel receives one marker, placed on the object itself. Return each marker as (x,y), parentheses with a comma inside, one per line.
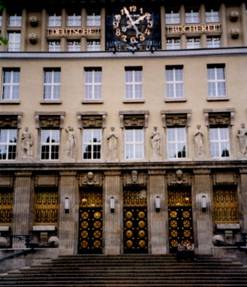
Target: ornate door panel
(180,218)
(91,222)
(135,222)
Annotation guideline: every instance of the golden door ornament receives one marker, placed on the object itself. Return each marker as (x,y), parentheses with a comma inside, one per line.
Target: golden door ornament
(6,206)
(46,207)
(225,206)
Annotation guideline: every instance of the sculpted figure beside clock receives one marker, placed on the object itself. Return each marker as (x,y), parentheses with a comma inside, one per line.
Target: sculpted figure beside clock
(132,25)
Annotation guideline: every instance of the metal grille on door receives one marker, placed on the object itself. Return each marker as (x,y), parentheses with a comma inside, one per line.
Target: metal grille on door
(180,218)
(91,222)
(135,222)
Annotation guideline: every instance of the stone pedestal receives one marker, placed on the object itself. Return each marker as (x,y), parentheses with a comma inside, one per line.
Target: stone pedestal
(113,218)
(158,220)
(21,208)
(203,217)
(68,220)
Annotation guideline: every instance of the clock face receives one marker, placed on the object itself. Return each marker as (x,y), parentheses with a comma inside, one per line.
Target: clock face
(132,25)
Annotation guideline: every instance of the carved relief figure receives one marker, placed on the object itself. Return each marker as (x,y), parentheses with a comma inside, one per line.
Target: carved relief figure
(242,137)
(112,142)
(199,142)
(70,143)
(155,143)
(27,144)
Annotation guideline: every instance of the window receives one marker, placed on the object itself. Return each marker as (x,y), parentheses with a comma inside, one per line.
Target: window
(92,141)
(74,20)
(213,42)
(193,43)
(93,79)
(93,19)
(176,142)
(219,142)
(74,46)
(192,17)
(8,140)
(133,83)
(54,20)
(212,16)
(93,45)
(174,82)
(216,81)
(52,84)
(15,20)
(50,141)
(11,82)
(54,46)
(134,144)
(14,42)
(172,18)
(173,43)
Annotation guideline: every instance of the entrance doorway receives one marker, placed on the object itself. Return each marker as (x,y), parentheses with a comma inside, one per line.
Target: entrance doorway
(180,217)
(135,231)
(90,221)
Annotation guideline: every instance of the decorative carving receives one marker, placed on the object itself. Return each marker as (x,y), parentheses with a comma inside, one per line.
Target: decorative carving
(70,144)
(242,138)
(199,142)
(179,120)
(135,179)
(112,143)
(49,121)
(225,206)
(46,206)
(234,15)
(134,119)
(33,38)
(91,120)
(215,119)
(33,20)
(179,198)
(235,32)
(155,143)
(135,198)
(91,199)
(6,206)
(91,179)
(179,178)
(26,144)
(8,121)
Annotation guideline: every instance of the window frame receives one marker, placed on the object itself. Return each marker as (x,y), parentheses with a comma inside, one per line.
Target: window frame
(192,17)
(7,144)
(176,143)
(173,43)
(93,47)
(88,135)
(172,18)
(134,86)
(54,86)
(50,144)
(74,20)
(11,84)
(210,16)
(14,42)
(174,83)
(91,87)
(93,19)
(134,144)
(15,20)
(221,144)
(54,20)
(216,81)
(73,45)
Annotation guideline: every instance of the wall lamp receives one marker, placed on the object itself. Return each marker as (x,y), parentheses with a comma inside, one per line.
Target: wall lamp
(66,204)
(112,204)
(157,203)
(204,202)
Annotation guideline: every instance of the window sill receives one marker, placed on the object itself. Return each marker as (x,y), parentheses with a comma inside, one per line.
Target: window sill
(50,102)
(216,99)
(175,100)
(9,102)
(85,102)
(134,101)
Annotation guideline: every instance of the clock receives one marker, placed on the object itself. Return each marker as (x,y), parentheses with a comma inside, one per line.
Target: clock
(132,25)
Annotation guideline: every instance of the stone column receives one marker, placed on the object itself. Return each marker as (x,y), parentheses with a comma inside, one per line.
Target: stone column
(44,21)
(24,30)
(202,218)
(112,224)
(102,29)
(223,25)
(68,222)
(23,189)
(163,27)
(158,220)
(243,198)
(84,25)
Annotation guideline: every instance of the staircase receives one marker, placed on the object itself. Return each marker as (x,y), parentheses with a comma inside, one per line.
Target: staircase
(130,271)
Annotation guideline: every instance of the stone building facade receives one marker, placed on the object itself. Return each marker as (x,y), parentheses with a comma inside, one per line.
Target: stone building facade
(122,127)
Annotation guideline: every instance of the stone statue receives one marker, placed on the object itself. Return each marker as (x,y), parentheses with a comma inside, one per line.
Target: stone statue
(199,142)
(155,143)
(112,143)
(70,143)
(242,137)
(27,144)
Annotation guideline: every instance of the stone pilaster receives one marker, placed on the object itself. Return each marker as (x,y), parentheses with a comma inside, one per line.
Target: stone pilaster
(158,220)
(23,30)
(44,20)
(113,188)
(244,23)
(243,198)
(223,25)
(68,222)
(202,218)
(23,189)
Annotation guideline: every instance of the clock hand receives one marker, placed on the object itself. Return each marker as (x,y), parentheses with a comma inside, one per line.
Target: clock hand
(137,21)
(131,21)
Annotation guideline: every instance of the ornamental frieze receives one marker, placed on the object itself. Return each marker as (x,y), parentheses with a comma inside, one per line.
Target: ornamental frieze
(219,119)
(91,179)
(179,179)
(10,121)
(134,178)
